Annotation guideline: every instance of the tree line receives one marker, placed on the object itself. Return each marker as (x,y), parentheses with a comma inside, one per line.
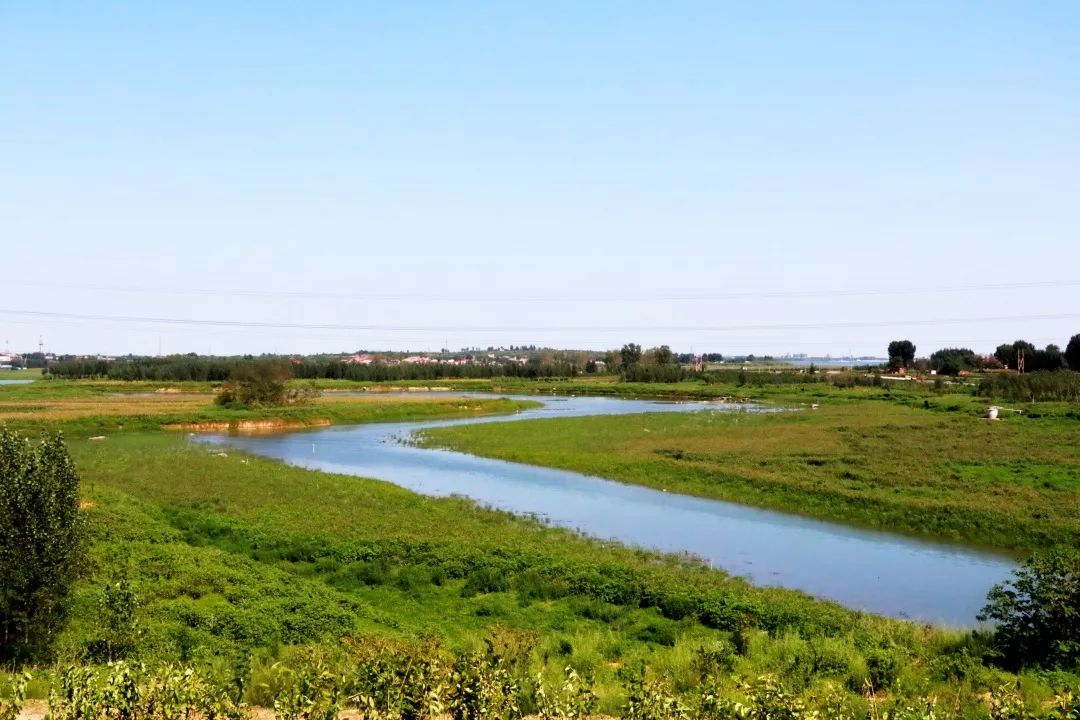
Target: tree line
(183,368)
(954,360)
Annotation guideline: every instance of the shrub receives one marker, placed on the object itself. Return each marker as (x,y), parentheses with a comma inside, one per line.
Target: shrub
(575,699)
(1038,611)
(883,667)
(39,545)
(256,384)
(659,633)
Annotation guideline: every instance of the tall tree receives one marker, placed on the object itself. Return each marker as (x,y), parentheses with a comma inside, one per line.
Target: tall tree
(951,361)
(630,355)
(663,355)
(39,544)
(1036,611)
(901,353)
(1006,353)
(1072,353)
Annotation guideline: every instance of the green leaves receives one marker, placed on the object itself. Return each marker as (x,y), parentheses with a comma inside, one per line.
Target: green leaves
(10,706)
(123,691)
(1038,611)
(40,542)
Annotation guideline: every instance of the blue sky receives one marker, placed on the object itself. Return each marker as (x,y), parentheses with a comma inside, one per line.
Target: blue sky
(732,177)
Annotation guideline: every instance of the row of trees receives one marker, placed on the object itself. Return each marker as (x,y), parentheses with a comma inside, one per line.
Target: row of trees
(183,368)
(658,364)
(952,361)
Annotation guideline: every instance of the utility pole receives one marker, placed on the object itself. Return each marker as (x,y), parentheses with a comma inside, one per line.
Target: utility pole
(1020,360)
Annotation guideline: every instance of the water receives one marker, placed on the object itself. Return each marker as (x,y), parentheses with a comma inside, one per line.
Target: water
(867,570)
(15,382)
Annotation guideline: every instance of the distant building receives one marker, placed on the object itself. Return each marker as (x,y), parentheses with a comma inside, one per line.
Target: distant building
(359,359)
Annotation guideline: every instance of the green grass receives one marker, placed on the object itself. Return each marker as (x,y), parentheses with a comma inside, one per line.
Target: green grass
(23,374)
(1010,484)
(243,560)
(241,556)
(82,408)
(238,553)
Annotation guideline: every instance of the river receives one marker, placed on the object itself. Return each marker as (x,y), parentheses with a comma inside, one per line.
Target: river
(879,572)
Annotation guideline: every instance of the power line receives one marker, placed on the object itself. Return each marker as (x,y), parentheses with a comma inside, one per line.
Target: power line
(562,297)
(525,329)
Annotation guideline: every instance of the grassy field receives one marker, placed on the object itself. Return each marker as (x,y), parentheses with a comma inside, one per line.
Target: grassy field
(243,557)
(25,374)
(245,563)
(82,408)
(1013,483)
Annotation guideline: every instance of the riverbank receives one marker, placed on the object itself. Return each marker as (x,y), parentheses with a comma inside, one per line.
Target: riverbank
(232,555)
(240,562)
(1011,484)
(94,408)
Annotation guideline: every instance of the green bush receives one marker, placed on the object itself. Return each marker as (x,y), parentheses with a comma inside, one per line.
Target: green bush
(40,543)
(1038,611)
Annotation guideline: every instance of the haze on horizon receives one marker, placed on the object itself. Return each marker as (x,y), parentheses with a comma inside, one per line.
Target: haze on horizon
(725,177)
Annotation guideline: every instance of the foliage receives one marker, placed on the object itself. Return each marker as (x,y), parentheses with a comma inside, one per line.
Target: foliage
(482,687)
(650,700)
(236,560)
(313,692)
(574,699)
(39,543)
(901,353)
(1072,353)
(952,361)
(661,355)
(398,681)
(123,691)
(630,355)
(1038,611)
(1039,386)
(187,368)
(12,703)
(119,618)
(913,467)
(656,373)
(256,384)
(1035,360)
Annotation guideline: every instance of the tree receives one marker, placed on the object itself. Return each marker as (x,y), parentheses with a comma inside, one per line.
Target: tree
(901,353)
(612,361)
(662,355)
(1050,359)
(1006,353)
(256,384)
(951,361)
(40,543)
(1038,611)
(630,355)
(118,612)
(1072,353)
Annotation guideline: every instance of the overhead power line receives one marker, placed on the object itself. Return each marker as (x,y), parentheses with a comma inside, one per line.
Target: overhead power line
(526,328)
(560,297)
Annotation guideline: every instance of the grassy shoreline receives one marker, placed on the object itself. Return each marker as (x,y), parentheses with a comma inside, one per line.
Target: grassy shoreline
(1010,485)
(240,561)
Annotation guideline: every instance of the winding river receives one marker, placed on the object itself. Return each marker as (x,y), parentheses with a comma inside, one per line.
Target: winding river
(868,570)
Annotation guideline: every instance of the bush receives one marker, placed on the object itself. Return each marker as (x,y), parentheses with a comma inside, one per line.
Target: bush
(256,384)
(1038,611)
(39,545)
(1059,386)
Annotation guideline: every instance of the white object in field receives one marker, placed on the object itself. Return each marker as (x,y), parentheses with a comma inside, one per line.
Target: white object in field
(992,412)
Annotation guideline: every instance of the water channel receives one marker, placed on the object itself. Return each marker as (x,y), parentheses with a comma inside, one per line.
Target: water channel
(869,570)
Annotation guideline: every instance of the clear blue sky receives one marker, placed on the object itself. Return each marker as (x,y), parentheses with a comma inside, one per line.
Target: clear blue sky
(559,173)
